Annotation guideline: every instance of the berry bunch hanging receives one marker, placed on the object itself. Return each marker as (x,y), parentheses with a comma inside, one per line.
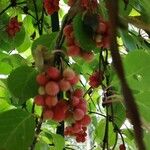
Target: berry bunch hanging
(51,6)
(73,47)
(80,121)
(13,27)
(52,82)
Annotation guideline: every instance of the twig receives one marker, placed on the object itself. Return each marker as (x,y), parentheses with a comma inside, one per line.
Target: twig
(128,97)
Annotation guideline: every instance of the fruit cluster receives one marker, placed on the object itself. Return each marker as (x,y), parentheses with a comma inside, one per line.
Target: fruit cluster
(102,34)
(86,4)
(73,48)
(77,111)
(13,27)
(51,6)
(96,79)
(52,83)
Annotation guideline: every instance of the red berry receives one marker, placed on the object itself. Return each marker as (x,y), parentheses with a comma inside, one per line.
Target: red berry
(75,101)
(48,114)
(68,74)
(60,111)
(41,79)
(86,120)
(78,114)
(102,27)
(52,88)
(95,79)
(51,101)
(39,100)
(122,147)
(74,80)
(69,41)
(78,93)
(53,73)
(73,50)
(88,56)
(64,85)
(67,30)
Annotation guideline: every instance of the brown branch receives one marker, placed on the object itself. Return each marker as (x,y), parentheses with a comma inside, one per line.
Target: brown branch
(129,99)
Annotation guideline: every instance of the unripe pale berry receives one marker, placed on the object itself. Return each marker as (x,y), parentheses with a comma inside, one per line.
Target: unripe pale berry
(41,90)
(78,114)
(64,85)
(52,88)
(51,101)
(53,73)
(68,74)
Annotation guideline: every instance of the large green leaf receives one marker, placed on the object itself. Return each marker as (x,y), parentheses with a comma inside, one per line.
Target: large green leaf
(16,130)
(22,83)
(46,40)
(83,37)
(100,131)
(59,141)
(143,102)
(137,71)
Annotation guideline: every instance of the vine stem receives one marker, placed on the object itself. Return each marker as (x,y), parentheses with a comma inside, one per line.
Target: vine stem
(37,17)
(128,97)
(3,11)
(37,132)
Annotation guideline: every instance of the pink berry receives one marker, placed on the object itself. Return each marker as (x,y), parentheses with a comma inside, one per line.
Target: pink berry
(41,79)
(64,85)
(78,114)
(68,74)
(39,100)
(51,101)
(53,73)
(73,50)
(48,114)
(52,88)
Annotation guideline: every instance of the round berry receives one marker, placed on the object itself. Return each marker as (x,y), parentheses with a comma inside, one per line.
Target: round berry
(39,100)
(41,79)
(64,85)
(78,114)
(53,73)
(52,88)
(51,101)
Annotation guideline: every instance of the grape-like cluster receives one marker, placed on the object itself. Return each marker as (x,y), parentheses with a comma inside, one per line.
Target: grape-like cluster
(73,48)
(77,111)
(51,6)
(86,4)
(13,27)
(96,79)
(73,108)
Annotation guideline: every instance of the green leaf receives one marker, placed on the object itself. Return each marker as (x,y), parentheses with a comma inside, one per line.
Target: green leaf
(22,83)
(59,141)
(143,102)
(147,140)
(137,71)
(16,130)
(100,131)
(119,114)
(81,36)
(5,68)
(128,40)
(42,146)
(45,40)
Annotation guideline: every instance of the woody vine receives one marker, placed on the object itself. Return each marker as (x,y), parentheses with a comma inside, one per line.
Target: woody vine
(68,79)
